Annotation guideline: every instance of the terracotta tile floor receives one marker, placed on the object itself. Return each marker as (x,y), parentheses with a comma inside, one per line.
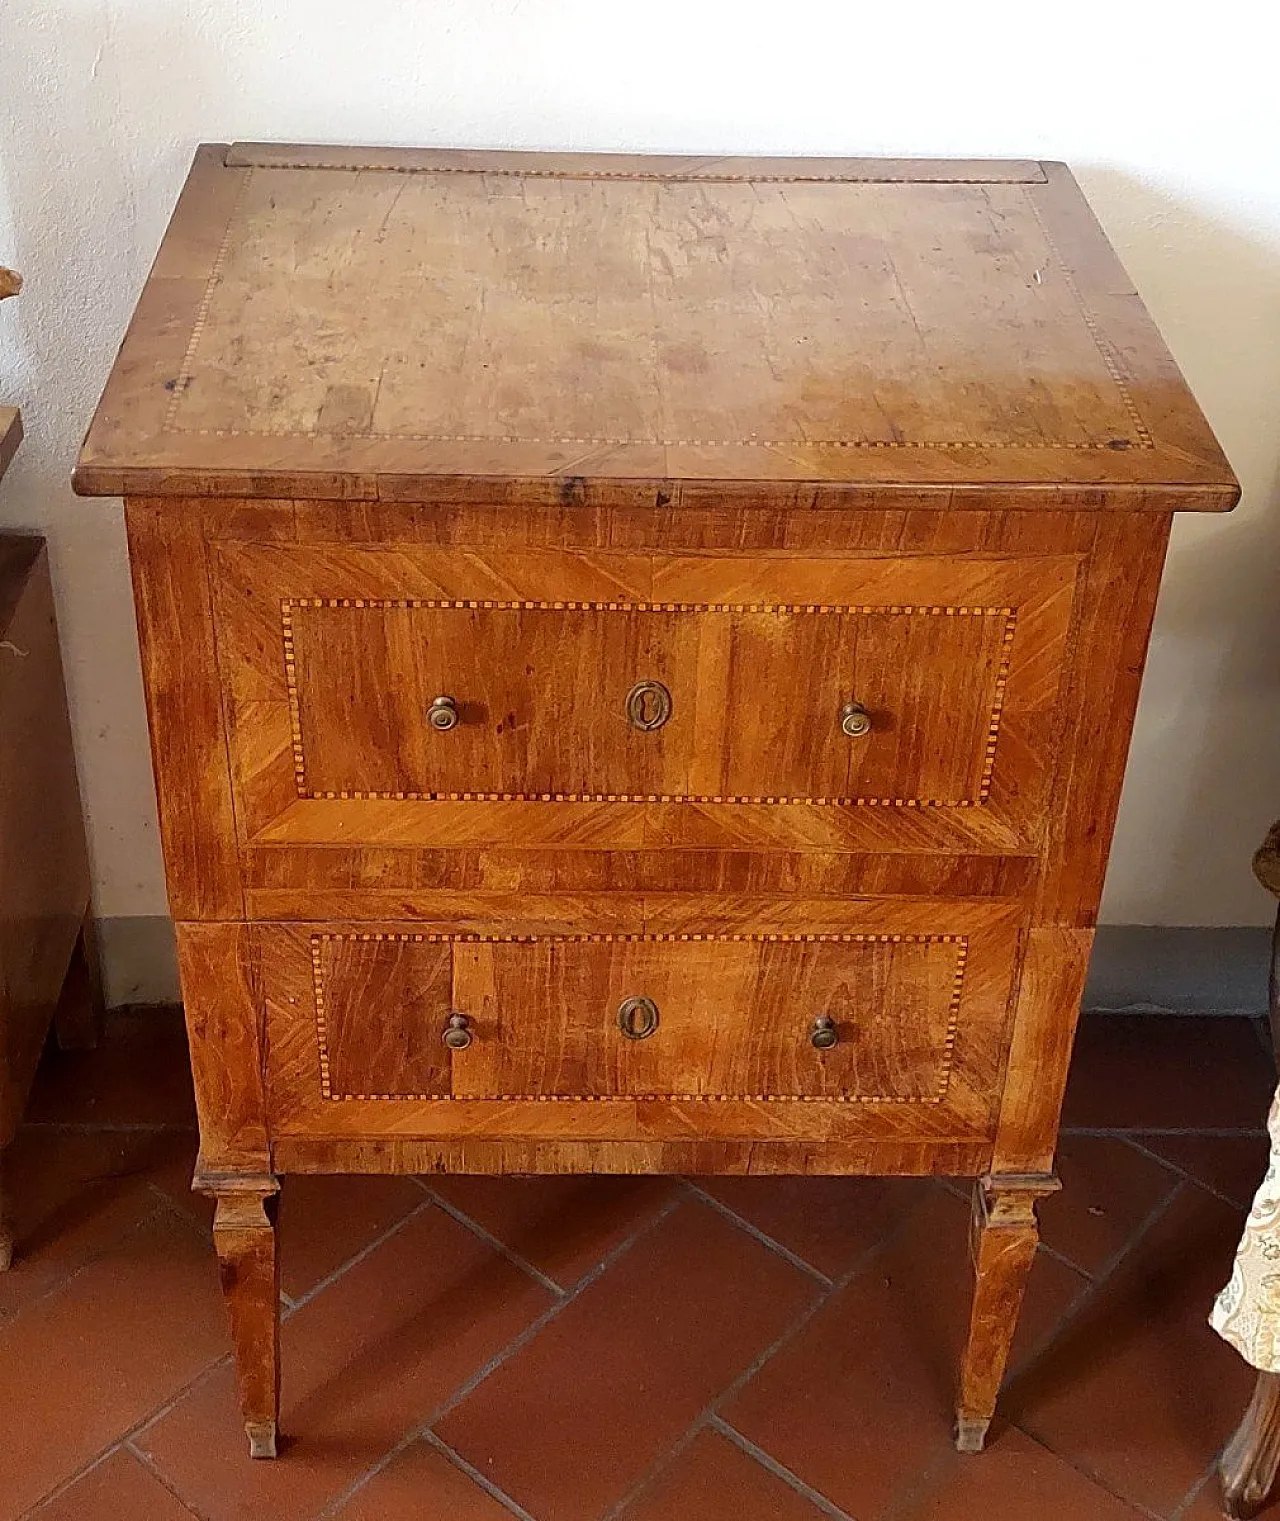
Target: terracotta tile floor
(640,1349)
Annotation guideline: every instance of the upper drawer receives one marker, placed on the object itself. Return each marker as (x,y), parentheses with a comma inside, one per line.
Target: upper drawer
(412,674)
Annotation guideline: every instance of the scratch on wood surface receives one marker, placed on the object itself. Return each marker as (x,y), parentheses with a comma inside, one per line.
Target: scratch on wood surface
(12,649)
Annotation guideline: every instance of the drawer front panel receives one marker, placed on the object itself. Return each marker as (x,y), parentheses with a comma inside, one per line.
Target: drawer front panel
(721,1018)
(893,1031)
(333,656)
(748,703)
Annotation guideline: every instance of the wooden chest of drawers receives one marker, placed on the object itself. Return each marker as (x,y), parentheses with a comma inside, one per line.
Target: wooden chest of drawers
(641,656)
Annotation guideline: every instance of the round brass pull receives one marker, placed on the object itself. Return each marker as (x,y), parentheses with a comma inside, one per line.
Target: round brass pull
(648,706)
(855,721)
(824,1034)
(457,1033)
(443,714)
(637,1018)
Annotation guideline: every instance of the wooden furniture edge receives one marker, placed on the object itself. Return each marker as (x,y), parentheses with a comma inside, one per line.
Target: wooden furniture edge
(796,167)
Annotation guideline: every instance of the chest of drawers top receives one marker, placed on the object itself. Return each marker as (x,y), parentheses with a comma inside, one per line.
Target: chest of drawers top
(455,326)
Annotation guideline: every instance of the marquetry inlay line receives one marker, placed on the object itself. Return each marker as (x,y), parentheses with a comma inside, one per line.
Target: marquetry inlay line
(674,177)
(319,941)
(187,368)
(1105,351)
(355,794)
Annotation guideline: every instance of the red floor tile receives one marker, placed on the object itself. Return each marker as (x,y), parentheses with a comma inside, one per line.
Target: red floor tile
(1108,1189)
(570,1423)
(714,1480)
(421,1484)
(1231,1165)
(1014,1480)
(87,1362)
(827,1222)
(364,1362)
(73,1194)
(324,1222)
(865,1394)
(1143,1071)
(119,1489)
(1137,1389)
(563,1226)
(139,1075)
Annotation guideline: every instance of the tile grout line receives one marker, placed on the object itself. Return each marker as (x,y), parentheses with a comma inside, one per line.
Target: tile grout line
(827,1289)
(656,1468)
(423,1431)
(345,1496)
(490,1239)
(778,1470)
(1189,1177)
(474,1474)
(155,1213)
(548,1315)
(125,1439)
(754,1231)
(1093,1285)
(161,1478)
(61,1488)
(1022,1423)
(1208,1478)
(1127,1132)
(365,1251)
(114,1127)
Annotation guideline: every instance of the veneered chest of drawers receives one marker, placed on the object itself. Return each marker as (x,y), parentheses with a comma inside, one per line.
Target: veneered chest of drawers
(641,656)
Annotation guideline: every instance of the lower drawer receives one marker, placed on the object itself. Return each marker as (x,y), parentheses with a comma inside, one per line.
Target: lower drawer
(868,1028)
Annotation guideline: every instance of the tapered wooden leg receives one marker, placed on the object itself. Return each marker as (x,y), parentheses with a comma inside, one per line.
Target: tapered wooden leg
(7,1242)
(1003,1241)
(245,1237)
(1249,1464)
(79,1015)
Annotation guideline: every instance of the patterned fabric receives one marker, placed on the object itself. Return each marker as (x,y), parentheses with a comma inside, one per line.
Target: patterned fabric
(1247,1312)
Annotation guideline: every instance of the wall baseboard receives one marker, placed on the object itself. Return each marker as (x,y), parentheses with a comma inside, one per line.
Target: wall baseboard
(139,959)
(1136,967)
(1148,968)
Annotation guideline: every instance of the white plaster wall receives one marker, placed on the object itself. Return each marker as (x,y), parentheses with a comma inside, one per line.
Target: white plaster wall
(1171,123)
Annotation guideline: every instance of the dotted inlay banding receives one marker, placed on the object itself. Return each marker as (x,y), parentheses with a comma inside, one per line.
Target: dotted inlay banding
(355,794)
(320,941)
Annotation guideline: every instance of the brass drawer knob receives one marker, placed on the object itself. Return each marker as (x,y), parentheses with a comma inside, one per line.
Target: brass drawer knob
(457,1033)
(648,706)
(824,1034)
(637,1018)
(443,713)
(855,721)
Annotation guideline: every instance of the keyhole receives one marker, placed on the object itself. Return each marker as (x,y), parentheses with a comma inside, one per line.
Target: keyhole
(648,705)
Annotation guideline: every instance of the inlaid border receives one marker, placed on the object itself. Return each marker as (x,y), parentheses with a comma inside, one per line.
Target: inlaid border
(1105,351)
(287,606)
(319,941)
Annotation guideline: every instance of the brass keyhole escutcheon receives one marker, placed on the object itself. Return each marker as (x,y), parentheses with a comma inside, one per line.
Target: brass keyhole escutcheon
(855,721)
(824,1034)
(648,706)
(637,1018)
(457,1033)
